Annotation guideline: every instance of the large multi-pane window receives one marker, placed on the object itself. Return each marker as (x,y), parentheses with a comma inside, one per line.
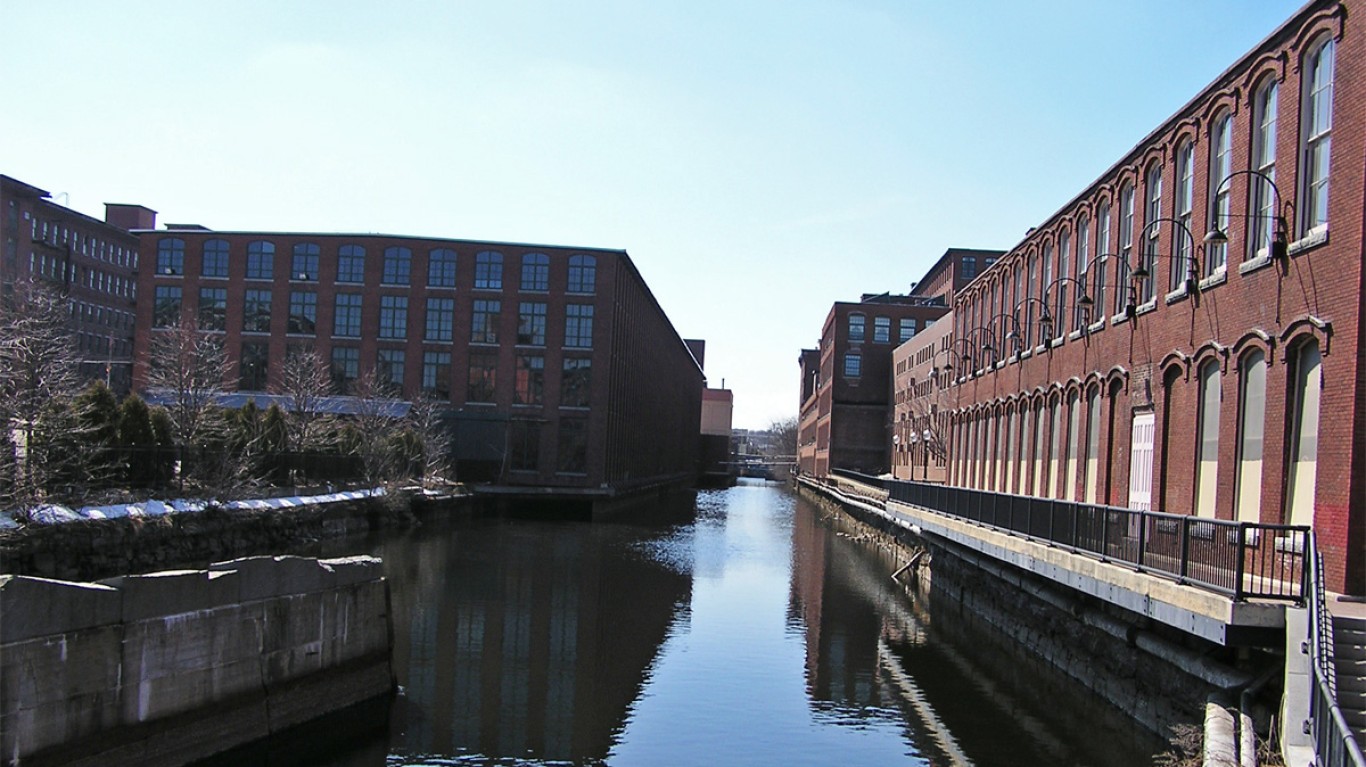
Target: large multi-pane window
(882,329)
(345,368)
(856,327)
(1251,429)
(1315,146)
(853,365)
(170,256)
(254,366)
(441,268)
(436,374)
(529,384)
(260,260)
(256,311)
(484,321)
(1263,195)
(1220,166)
(393,316)
(303,311)
(213,308)
(576,382)
(905,329)
(483,379)
(578,326)
(572,447)
(1126,245)
(389,364)
(351,264)
(583,274)
(1147,287)
(166,309)
(531,323)
(1182,237)
(440,319)
(535,271)
(398,266)
(488,270)
(304,264)
(346,320)
(215,260)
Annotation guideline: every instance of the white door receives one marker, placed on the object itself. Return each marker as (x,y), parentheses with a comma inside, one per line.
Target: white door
(1141,462)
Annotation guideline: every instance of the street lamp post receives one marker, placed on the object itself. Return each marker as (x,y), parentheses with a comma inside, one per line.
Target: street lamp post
(1277,246)
(1191,262)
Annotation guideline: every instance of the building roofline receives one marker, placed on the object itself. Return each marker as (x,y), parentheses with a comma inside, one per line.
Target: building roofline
(382,235)
(25,187)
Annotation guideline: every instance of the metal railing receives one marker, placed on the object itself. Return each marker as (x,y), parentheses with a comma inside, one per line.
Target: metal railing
(1241,559)
(1334,743)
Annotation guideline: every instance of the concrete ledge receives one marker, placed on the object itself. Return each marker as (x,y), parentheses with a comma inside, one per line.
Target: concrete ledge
(173,592)
(34,607)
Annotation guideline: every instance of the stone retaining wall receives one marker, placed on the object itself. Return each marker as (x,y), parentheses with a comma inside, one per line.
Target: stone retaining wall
(171,667)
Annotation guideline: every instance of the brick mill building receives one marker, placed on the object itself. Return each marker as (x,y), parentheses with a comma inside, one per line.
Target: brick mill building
(563,373)
(1185,334)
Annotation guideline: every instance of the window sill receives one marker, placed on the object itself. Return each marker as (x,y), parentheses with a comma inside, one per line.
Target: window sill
(1096,327)
(1262,261)
(575,408)
(203,277)
(1311,239)
(1118,318)
(1176,295)
(1218,278)
(1025,354)
(1074,335)
(1145,308)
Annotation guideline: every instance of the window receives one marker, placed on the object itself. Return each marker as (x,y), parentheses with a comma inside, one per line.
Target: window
(1251,429)
(1103,248)
(393,316)
(440,319)
(346,321)
(1220,166)
(436,374)
(1073,447)
(1044,287)
(256,311)
(576,381)
(853,365)
(1083,268)
(856,322)
(351,264)
(389,364)
(1092,443)
(254,366)
(572,449)
(1182,241)
(345,368)
(882,329)
(1126,246)
(484,322)
(304,265)
(303,312)
(524,442)
(1302,457)
(531,323)
(1263,161)
(1152,211)
(1316,145)
(260,260)
(535,271)
(578,326)
(483,378)
(441,268)
(1207,425)
(215,260)
(1064,271)
(398,266)
(583,272)
(166,310)
(905,329)
(969,267)
(529,384)
(488,270)
(171,256)
(213,308)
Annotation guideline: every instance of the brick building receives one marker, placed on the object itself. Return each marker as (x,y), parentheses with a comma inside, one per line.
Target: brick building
(561,368)
(1121,355)
(922,400)
(92,262)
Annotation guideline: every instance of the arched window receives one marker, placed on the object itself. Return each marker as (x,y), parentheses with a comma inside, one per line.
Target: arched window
(1220,166)
(1055,449)
(215,262)
(1083,268)
(1302,459)
(1183,241)
(1092,442)
(1064,289)
(1012,446)
(1263,161)
(535,271)
(1152,211)
(1126,246)
(1103,248)
(583,273)
(1207,430)
(488,270)
(1315,145)
(398,266)
(260,260)
(304,265)
(1046,288)
(1251,427)
(1069,488)
(170,256)
(441,268)
(351,264)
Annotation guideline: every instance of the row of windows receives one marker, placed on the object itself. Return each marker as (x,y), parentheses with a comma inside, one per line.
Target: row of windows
(439,320)
(59,268)
(1042,293)
(397,265)
(88,245)
(882,328)
(94,314)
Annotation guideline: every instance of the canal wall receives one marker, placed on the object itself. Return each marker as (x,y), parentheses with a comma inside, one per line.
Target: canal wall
(171,667)
(1157,676)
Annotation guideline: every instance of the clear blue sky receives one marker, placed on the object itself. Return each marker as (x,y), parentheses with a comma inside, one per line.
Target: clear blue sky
(759,160)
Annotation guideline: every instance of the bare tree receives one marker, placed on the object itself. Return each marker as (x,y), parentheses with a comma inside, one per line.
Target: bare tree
(427,420)
(306,381)
(186,370)
(375,428)
(784,436)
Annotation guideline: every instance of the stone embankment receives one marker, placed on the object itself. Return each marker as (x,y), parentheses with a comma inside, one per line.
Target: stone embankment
(171,667)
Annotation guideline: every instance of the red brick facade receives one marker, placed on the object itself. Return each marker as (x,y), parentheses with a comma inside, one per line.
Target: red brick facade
(1228,382)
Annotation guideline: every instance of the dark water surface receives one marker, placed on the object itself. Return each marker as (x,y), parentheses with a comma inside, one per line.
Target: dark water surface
(750,629)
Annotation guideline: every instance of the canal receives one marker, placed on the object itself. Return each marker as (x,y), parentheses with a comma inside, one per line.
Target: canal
(751,627)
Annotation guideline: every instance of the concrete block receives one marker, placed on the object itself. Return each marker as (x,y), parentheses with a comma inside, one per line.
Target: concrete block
(174,592)
(57,668)
(266,577)
(35,607)
(348,570)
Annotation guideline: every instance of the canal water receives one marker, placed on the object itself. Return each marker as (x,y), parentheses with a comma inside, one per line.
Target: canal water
(749,627)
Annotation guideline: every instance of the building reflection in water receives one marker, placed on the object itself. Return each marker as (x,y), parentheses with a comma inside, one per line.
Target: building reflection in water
(524,641)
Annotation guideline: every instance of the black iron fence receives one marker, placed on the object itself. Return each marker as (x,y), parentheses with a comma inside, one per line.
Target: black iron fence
(1334,744)
(1242,559)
